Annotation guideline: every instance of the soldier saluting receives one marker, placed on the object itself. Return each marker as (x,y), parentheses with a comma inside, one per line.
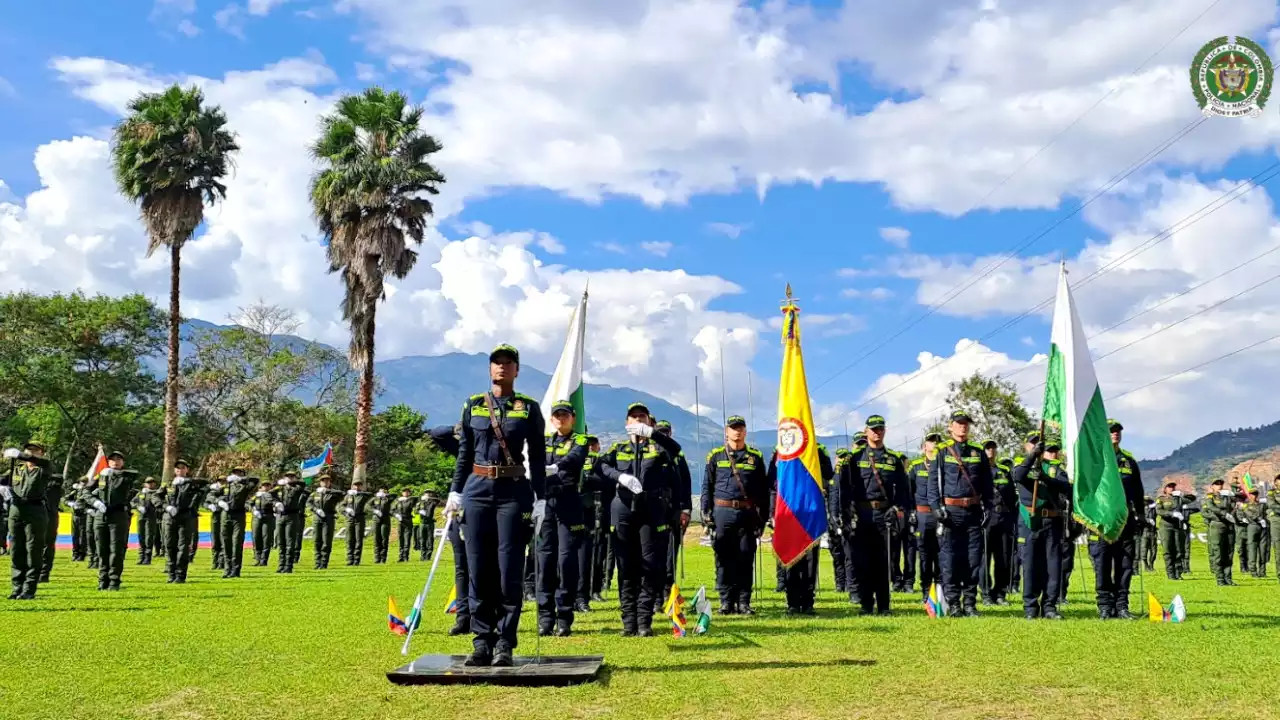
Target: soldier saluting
(28,517)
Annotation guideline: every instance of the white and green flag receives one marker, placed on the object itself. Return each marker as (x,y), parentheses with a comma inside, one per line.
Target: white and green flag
(1073,401)
(566,382)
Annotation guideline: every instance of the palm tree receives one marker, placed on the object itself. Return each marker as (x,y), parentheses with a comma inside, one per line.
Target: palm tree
(169,155)
(369,201)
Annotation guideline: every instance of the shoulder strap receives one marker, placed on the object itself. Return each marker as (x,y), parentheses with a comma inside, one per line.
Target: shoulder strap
(733,468)
(875,471)
(496,424)
(963,472)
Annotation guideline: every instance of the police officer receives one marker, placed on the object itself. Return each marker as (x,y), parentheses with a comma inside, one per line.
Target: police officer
(150,507)
(4,515)
(233,505)
(1113,561)
(735,493)
(426,508)
(1169,522)
(403,510)
(183,508)
(110,493)
(904,546)
(642,468)
(449,438)
(873,496)
(681,509)
(291,509)
(380,506)
(920,470)
(1000,533)
(263,507)
(1219,514)
(29,474)
(590,493)
(1042,487)
(602,555)
(560,532)
(355,507)
(961,496)
(1273,521)
(500,502)
(1255,518)
(79,547)
(324,507)
(1147,543)
(52,499)
(835,539)
(214,502)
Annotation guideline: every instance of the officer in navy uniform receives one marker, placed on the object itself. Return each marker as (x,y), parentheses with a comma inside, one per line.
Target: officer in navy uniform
(1000,532)
(961,496)
(642,469)
(562,529)
(904,542)
(735,481)
(835,539)
(1042,487)
(590,492)
(681,509)
(873,495)
(501,502)
(1113,561)
(449,438)
(922,520)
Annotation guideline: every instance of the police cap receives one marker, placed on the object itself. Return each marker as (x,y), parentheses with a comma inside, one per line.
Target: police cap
(1114,425)
(1217,482)
(933,437)
(663,425)
(180,463)
(1171,483)
(592,439)
(237,470)
(115,454)
(637,407)
(989,444)
(505,350)
(859,438)
(562,406)
(1032,437)
(33,445)
(961,416)
(735,421)
(875,422)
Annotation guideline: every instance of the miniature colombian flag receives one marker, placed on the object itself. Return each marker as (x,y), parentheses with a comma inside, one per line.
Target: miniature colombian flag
(394,622)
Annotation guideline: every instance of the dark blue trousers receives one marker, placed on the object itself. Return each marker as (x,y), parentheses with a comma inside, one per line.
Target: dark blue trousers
(557,546)
(960,555)
(735,548)
(640,548)
(497,527)
(586,555)
(1041,564)
(461,578)
(927,549)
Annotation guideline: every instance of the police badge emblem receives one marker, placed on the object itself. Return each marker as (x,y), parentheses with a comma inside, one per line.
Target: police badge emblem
(1231,77)
(518,405)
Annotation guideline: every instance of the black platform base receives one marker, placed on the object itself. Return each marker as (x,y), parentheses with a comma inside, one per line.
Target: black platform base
(526,672)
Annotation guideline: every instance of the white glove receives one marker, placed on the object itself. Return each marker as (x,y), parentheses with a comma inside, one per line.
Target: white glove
(553,469)
(171,510)
(453,504)
(70,503)
(6,493)
(352,491)
(282,482)
(1177,493)
(257,514)
(640,429)
(1262,523)
(223,505)
(349,511)
(319,512)
(215,485)
(539,511)
(280,507)
(233,478)
(12,453)
(631,482)
(99,506)
(423,513)
(377,512)
(178,481)
(1226,493)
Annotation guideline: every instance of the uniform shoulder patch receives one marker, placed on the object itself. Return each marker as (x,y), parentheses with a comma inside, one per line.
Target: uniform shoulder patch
(914,462)
(528,400)
(714,451)
(755,452)
(946,444)
(895,453)
(973,445)
(1128,454)
(580,439)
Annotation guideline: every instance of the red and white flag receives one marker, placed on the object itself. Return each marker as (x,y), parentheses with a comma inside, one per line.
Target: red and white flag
(99,464)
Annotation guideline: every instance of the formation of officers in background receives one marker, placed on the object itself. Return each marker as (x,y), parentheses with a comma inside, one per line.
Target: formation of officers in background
(547,515)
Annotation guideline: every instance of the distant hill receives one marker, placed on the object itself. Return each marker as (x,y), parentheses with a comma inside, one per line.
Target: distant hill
(1216,455)
(437,385)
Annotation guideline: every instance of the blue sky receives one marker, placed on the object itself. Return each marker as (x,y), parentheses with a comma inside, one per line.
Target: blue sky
(612,141)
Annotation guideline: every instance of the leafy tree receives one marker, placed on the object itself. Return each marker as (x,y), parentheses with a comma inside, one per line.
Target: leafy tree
(994,405)
(169,155)
(70,365)
(369,201)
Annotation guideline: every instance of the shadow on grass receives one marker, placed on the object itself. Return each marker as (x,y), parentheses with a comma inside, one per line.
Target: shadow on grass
(735,665)
(737,641)
(77,610)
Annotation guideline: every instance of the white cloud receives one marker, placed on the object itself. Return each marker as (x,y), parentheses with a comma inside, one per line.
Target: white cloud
(231,20)
(659,248)
(876,293)
(549,244)
(728,230)
(857,272)
(896,236)
(262,7)
(366,73)
(612,247)
(7,89)
(188,28)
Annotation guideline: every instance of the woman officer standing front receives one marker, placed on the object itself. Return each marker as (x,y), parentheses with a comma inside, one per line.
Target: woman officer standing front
(499,493)
(644,468)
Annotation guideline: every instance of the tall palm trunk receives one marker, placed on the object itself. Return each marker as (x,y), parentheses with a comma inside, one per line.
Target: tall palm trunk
(364,398)
(171,383)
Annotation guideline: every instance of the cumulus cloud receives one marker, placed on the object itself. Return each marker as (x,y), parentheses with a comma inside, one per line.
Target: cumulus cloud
(659,248)
(728,230)
(896,236)
(876,293)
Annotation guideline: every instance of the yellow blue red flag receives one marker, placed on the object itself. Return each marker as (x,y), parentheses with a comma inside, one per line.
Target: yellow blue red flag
(800,516)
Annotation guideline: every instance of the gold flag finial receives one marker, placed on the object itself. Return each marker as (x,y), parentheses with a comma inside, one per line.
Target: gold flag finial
(788,291)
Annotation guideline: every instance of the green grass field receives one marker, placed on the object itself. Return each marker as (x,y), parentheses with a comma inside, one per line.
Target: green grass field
(316,645)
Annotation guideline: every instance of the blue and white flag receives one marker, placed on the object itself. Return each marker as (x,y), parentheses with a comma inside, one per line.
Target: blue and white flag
(312,466)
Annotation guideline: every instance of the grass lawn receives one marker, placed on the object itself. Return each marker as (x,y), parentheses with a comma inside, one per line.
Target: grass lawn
(316,645)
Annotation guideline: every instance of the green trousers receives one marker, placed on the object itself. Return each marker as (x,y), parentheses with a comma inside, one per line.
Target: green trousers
(182,532)
(1171,539)
(50,544)
(28,525)
(216,525)
(404,535)
(233,542)
(113,540)
(323,540)
(1243,549)
(1256,539)
(91,522)
(264,531)
(355,539)
(381,539)
(287,525)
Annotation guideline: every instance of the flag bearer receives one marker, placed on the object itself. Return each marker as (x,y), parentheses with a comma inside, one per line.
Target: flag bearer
(1042,487)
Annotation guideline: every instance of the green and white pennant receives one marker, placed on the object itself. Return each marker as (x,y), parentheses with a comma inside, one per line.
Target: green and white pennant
(566,382)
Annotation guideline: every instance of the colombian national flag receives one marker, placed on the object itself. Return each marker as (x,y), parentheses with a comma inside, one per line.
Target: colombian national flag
(394,622)
(451,602)
(800,517)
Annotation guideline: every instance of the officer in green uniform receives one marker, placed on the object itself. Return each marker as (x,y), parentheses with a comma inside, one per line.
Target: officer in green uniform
(183,509)
(300,527)
(235,503)
(53,497)
(324,507)
(4,521)
(92,519)
(1001,530)
(112,491)
(263,507)
(290,510)
(29,474)
(1147,547)
(214,501)
(150,506)
(79,548)
(380,506)
(403,509)
(1113,561)
(1042,492)
(835,539)
(427,505)
(1169,519)
(1255,516)
(355,506)
(1273,522)
(1219,514)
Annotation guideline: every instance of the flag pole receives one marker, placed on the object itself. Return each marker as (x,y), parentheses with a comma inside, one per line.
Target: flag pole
(404,650)
(751,417)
